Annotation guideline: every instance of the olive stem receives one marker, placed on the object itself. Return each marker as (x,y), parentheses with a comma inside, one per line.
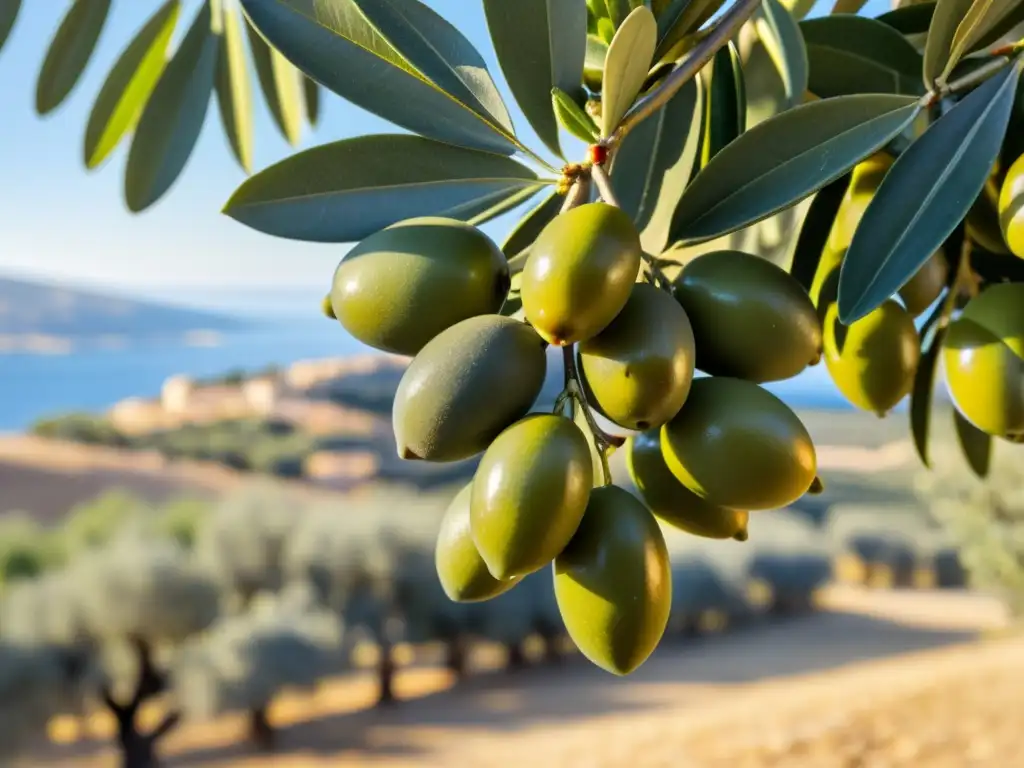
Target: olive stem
(604,185)
(578,194)
(979,75)
(700,55)
(574,390)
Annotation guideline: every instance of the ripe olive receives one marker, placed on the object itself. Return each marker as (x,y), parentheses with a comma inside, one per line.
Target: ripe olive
(400,287)
(466,386)
(751,319)
(739,446)
(613,582)
(983,356)
(462,572)
(674,503)
(580,272)
(873,361)
(529,493)
(921,291)
(638,370)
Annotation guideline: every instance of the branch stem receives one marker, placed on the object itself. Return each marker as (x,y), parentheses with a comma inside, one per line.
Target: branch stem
(604,185)
(685,71)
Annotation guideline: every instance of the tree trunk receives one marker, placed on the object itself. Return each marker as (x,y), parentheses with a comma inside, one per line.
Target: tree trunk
(261,732)
(137,749)
(455,656)
(552,653)
(386,676)
(516,658)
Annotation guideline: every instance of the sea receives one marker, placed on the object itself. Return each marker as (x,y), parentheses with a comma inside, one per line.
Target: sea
(34,385)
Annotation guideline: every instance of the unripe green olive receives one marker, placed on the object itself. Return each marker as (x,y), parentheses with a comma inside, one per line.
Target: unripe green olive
(751,319)
(638,370)
(1011,208)
(580,272)
(921,291)
(873,361)
(983,357)
(402,286)
(739,446)
(613,582)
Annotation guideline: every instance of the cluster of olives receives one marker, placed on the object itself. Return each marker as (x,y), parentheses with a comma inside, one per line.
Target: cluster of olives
(704,452)
(873,362)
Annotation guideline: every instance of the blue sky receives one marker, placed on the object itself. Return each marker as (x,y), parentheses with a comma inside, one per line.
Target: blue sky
(59,222)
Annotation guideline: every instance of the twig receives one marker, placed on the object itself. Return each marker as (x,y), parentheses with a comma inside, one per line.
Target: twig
(578,194)
(982,73)
(604,185)
(701,54)
(574,389)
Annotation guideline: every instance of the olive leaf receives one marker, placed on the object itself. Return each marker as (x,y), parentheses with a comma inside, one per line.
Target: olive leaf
(332,40)
(786,158)
(781,37)
(655,163)
(910,19)
(346,190)
(69,52)
(505,204)
(529,227)
(8,15)
(311,92)
(1014,16)
(618,10)
(922,393)
(815,231)
(975,445)
(854,54)
(173,117)
(983,17)
(682,18)
(923,197)
(942,30)
(626,65)
(129,85)
(848,6)
(279,82)
(572,117)
(541,44)
(593,63)
(234,90)
(725,108)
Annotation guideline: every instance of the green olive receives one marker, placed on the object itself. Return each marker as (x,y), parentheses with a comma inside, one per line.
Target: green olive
(983,220)
(873,361)
(327,308)
(739,446)
(529,493)
(460,569)
(674,503)
(402,286)
(613,582)
(865,180)
(637,371)
(466,386)
(1011,208)
(983,356)
(921,291)
(580,272)
(751,319)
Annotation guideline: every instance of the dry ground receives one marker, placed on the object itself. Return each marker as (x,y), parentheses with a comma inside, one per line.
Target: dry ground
(877,680)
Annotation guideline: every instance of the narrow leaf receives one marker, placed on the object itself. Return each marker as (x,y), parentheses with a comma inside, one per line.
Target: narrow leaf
(234,89)
(593,64)
(525,232)
(8,15)
(983,17)
(311,91)
(572,117)
(343,191)
(682,18)
(439,52)
(784,159)
(626,66)
(173,116)
(975,445)
(725,111)
(129,85)
(69,52)
(937,50)
(655,163)
(618,10)
(848,6)
(853,54)
(781,37)
(815,231)
(925,194)
(513,199)
(911,19)
(279,82)
(1006,24)
(332,40)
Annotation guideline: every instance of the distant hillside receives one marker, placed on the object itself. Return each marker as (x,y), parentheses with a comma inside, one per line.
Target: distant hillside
(57,311)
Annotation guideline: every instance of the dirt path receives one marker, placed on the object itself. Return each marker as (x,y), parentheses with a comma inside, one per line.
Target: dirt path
(848,687)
